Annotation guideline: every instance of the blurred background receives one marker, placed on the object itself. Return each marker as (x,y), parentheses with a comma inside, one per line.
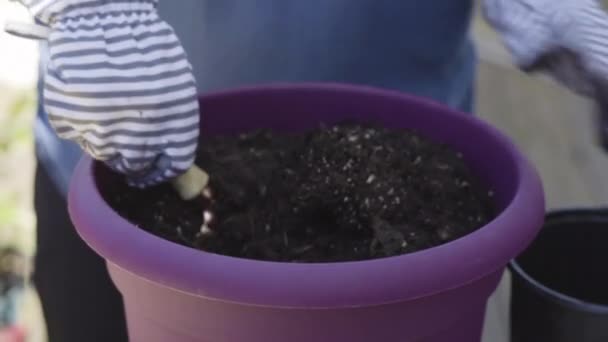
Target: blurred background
(552,126)
(19,305)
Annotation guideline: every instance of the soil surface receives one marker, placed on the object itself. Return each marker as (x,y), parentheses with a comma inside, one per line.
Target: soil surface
(340,193)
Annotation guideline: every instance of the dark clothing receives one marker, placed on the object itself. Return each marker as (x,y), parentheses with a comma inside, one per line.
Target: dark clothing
(79,301)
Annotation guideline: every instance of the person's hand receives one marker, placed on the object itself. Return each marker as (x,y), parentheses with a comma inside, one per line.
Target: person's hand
(567,39)
(118,83)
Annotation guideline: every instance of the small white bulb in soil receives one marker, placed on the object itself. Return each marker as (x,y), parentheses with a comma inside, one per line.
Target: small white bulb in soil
(207,219)
(208,216)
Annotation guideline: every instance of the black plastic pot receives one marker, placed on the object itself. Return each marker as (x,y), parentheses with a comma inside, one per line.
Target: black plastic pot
(560,283)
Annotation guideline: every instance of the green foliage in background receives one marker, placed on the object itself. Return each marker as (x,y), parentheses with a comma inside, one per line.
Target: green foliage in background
(15,126)
(17,108)
(9,211)
(15,223)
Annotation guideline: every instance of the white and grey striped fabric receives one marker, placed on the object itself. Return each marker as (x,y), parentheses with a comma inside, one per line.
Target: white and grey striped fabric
(119,83)
(567,39)
(591,37)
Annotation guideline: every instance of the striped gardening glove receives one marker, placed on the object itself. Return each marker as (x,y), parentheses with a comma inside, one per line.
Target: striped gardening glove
(567,39)
(119,84)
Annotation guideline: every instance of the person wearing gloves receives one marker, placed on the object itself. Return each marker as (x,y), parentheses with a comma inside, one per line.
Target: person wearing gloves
(116,83)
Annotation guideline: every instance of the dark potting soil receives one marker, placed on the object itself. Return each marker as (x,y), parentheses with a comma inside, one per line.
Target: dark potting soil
(339,193)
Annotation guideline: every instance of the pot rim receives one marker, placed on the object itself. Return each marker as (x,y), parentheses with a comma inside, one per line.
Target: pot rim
(562,299)
(316,285)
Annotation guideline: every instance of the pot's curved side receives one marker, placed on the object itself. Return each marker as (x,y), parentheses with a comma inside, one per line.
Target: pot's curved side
(295,107)
(158,314)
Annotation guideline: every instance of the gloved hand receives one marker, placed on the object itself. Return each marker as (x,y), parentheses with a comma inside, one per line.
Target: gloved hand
(567,39)
(118,83)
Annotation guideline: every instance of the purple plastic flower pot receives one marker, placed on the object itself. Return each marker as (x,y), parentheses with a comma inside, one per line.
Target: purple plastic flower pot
(174,293)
